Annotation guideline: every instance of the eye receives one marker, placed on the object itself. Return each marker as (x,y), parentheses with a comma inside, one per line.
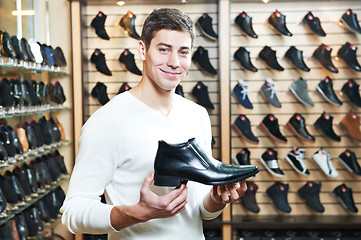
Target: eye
(163,50)
(184,53)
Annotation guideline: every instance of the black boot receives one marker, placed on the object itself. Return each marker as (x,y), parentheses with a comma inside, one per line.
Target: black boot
(278,21)
(348,53)
(128,23)
(179,90)
(200,91)
(98,23)
(99,92)
(311,193)
(201,57)
(242,127)
(270,125)
(296,57)
(325,88)
(314,24)
(323,55)
(245,23)
(324,124)
(242,55)
(351,90)
(278,193)
(297,125)
(7,49)
(205,25)
(242,157)
(128,59)
(269,56)
(98,58)
(124,87)
(349,19)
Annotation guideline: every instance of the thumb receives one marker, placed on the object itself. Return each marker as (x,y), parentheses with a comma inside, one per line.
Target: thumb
(148,180)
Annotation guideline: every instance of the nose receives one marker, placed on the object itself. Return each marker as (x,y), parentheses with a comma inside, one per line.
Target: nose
(173,60)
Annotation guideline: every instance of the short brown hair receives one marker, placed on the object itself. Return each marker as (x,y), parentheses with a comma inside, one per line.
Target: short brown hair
(166,18)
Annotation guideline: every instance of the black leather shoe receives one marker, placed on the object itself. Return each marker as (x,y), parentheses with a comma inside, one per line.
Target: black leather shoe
(297,125)
(349,19)
(25,93)
(44,213)
(324,124)
(58,92)
(99,92)
(125,87)
(296,57)
(311,193)
(98,58)
(179,90)
(242,55)
(278,21)
(6,232)
(175,163)
(325,88)
(47,129)
(201,57)
(16,89)
(323,55)
(205,25)
(98,24)
(15,140)
(245,23)
(200,91)
(29,56)
(15,42)
(30,136)
(3,155)
(314,24)
(38,133)
(31,92)
(349,160)
(7,139)
(242,157)
(49,51)
(23,180)
(22,227)
(351,90)
(61,56)
(270,125)
(3,204)
(128,23)
(242,127)
(52,205)
(348,53)
(128,59)
(278,193)
(8,190)
(7,49)
(20,194)
(269,56)
(60,162)
(30,176)
(6,93)
(30,223)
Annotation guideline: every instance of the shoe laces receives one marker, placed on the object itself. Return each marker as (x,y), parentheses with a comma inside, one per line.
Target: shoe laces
(271,87)
(244,90)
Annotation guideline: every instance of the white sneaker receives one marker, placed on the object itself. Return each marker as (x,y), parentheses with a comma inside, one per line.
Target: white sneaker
(35,49)
(323,159)
(296,159)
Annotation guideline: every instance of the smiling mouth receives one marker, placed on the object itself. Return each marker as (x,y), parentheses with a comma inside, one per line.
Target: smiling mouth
(170,73)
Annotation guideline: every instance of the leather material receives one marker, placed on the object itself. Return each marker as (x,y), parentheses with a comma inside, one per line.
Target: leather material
(245,23)
(14,230)
(60,162)
(3,154)
(38,133)
(242,127)
(351,90)
(16,89)
(128,24)
(20,194)
(325,88)
(350,21)
(351,124)
(30,136)
(200,91)
(269,56)
(37,91)
(44,213)
(30,223)
(31,92)
(3,203)
(25,93)
(242,56)
(6,93)
(348,53)
(22,227)
(297,125)
(242,157)
(7,49)
(349,160)
(98,24)
(270,125)
(270,162)
(15,42)
(52,204)
(40,180)
(8,190)
(204,23)
(278,21)
(7,139)
(278,192)
(323,55)
(22,137)
(314,24)
(23,180)
(324,124)
(15,140)
(60,128)
(202,59)
(175,163)
(98,58)
(311,193)
(296,57)
(27,50)
(61,57)
(30,176)
(128,59)
(99,92)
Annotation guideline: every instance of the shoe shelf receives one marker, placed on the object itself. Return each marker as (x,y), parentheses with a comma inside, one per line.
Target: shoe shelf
(31,155)
(32,110)
(11,213)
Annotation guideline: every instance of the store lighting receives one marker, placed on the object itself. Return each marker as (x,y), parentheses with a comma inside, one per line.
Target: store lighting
(183,1)
(120,3)
(24,13)
(265,1)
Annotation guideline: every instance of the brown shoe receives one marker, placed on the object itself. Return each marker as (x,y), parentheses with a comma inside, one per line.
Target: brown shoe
(351,123)
(61,129)
(22,136)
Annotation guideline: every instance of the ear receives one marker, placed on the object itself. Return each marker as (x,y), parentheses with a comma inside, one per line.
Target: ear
(142,50)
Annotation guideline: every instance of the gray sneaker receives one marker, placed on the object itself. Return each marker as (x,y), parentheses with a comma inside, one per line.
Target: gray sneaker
(299,89)
(269,92)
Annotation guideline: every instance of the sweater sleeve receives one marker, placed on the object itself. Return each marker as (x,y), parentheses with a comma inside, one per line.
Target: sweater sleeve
(82,210)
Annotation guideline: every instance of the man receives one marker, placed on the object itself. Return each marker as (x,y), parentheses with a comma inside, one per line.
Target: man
(119,142)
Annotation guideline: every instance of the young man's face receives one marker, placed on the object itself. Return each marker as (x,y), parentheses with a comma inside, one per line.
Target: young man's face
(168,58)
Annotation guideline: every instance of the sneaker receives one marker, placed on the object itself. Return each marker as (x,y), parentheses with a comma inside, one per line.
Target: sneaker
(323,160)
(296,57)
(323,55)
(349,160)
(242,127)
(350,21)
(297,125)
(98,58)
(299,89)
(242,157)
(269,92)
(348,53)
(127,58)
(268,55)
(249,197)
(205,25)
(324,124)
(278,193)
(270,125)
(201,57)
(296,159)
(311,193)
(270,162)
(241,92)
(98,24)
(242,56)
(200,91)
(344,196)
(314,24)
(278,21)
(325,88)
(245,23)
(351,90)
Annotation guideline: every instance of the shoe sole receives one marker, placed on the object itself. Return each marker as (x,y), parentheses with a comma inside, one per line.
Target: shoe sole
(264,128)
(289,127)
(299,99)
(324,95)
(269,170)
(200,27)
(294,167)
(235,128)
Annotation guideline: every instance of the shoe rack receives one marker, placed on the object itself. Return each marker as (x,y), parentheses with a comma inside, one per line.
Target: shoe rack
(235,217)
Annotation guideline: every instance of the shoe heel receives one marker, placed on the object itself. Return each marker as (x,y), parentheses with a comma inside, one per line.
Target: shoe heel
(167,181)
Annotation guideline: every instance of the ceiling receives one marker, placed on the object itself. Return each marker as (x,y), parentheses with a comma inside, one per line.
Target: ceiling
(137,2)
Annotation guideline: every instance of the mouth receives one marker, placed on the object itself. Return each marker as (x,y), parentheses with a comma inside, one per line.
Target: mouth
(171,74)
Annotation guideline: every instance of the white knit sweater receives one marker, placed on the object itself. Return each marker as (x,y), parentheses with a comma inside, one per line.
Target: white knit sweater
(117,149)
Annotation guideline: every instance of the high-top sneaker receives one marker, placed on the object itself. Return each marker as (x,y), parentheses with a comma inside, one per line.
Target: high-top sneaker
(242,127)
(351,124)
(200,91)
(245,23)
(242,157)
(324,124)
(349,160)
(240,90)
(344,195)
(98,24)
(297,125)
(128,59)
(296,57)
(314,24)
(270,162)
(323,160)
(269,92)
(278,193)
(124,87)
(278,21)
(201,57)
(351,90)
(325,88)
(242,56)
(99,92)
(323,55)
(205,25)
(128,24)
(249,197)
(350,21)
(311,193)
(270,125)
(296,159)
(268,55)
(98,58)
(348,53)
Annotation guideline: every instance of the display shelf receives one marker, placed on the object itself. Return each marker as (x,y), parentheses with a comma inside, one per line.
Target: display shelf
(38,152)
(11,214)
(27,111)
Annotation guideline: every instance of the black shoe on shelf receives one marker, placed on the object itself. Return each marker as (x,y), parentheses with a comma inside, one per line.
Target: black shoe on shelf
(344,196)
(30,223)
(245,23)
(128,59)
(60,54)
(242,157)
(15,185)
(205,25)
(349,160)
(15,140)
(7,139)
(124,87)
(201,57)
(311,193)
(348,53)
(295,158)
(242,56)
(15,42)
(27,50)
(350,21)
(8,190)
(270,126)
(325,88)
(351,90)
(98,58)
(23,180)
(278,194)
(179,90)
(128,24)
(323,55)
(99,92)
(44,213)
(249,197)
(297,125)
(7,49)
(324,124)
(278,21)
(242,127)
(200,91)
(270,162)
(98,24)
(6,93)
(269,56)
(16,89)
(21,226)
(296,57)
(314,24)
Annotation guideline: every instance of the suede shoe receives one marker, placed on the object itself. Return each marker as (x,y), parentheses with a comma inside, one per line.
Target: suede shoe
(200,91)
(249,197)
(351,90)
(270,126)
(242,127)
(323,160)
(278,194)
(124,87)
(278,21)
(323,55)
(201,58)
(296,57)
(349,160)
(299,89)
(325,88)
(270,162)
(296,159)
(187,161)
(99,92)
(127,58)
(128,24)
(314,24)
(348,53)
(204,23)
(311,193)
(98,58)
(242,56)
(350,21)
(269,92)
(245,23)
(98,24)
(242,157)
(324,124)
(241,92)
(297,125)
(344,196)
(269,56)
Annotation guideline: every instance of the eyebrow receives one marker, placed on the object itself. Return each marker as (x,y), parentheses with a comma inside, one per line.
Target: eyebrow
(170,46)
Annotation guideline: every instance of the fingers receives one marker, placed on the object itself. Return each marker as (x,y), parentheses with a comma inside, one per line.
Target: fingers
(230,192)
